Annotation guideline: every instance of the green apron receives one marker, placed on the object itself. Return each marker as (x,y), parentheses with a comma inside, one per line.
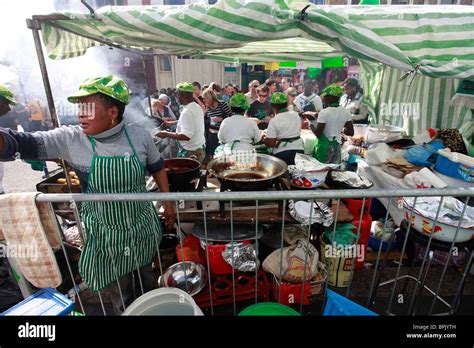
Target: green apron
(325,149)
(182,152)
(120,236)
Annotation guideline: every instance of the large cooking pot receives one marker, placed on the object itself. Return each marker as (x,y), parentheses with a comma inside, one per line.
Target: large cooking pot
(260,177)
(181,170)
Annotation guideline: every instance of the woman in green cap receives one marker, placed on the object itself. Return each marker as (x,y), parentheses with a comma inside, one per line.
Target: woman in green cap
(284,130)
(108,157)
(331,121)
(238,133)
(190,126)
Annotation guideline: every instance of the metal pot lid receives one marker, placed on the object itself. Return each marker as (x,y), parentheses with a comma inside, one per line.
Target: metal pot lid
(222,233)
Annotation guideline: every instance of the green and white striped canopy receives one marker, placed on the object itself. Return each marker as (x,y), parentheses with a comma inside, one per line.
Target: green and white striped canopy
(440,39)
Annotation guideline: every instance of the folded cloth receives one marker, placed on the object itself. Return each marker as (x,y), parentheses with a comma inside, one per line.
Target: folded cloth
(27,240)
(401,165)
(48,220)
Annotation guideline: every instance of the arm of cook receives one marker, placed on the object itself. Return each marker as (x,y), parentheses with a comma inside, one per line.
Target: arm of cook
(272,134)
(38,145)
(257,134)
(185,128)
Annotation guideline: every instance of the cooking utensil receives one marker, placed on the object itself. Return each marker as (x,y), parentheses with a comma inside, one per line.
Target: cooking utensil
(259,177)
(181,170)
(222,232)
(190,278)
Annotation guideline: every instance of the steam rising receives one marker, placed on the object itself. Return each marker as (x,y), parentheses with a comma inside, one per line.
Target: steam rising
(19,68)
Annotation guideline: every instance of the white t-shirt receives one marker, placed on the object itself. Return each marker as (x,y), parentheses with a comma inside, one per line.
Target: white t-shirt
(335,118)
(239,128)
(301,101)
(283,126)
(191,124)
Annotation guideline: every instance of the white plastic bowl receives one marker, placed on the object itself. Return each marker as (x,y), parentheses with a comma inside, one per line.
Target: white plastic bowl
(164,301)
(312,179)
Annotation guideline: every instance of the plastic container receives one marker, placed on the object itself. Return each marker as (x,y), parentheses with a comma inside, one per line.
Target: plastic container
(338,305)
(363,240)
(455,165)
(354,206)
(309,180)
(45,302)
(309,141)
(217,264)
(225,289)
(290,293)
(338,262)
(452,182)
(269,309)
(374,243)
(361,130)
(442,231)
(164,301)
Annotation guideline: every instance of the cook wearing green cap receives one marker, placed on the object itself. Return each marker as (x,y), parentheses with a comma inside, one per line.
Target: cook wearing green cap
(238,133)
(190,126)
(331,121)
(284,130)
(6,99)
(108,157)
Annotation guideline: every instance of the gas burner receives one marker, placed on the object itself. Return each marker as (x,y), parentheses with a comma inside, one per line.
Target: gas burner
(277,185)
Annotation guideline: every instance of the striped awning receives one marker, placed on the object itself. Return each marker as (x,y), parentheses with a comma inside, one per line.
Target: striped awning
(438,39)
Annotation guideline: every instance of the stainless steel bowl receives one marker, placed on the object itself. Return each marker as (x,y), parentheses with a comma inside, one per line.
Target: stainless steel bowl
(191,278)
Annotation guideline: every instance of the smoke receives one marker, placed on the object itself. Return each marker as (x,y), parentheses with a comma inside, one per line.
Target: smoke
(19,67)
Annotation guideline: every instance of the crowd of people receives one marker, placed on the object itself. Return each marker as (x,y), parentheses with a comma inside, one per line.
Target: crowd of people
(277,112)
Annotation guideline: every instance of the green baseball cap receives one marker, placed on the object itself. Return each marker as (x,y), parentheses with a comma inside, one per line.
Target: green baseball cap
(110,85)
(333,90)
(7,94)
(239,100)
(185,87)
(279,98)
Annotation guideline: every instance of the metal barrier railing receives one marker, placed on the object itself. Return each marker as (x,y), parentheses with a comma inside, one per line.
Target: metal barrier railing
(284,196)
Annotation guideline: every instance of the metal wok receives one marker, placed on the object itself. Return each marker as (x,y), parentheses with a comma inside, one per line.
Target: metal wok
(260,177)
(181,170)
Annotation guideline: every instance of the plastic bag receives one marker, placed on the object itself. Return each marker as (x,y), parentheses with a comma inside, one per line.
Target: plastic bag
(420,155)
(244,257)
(293,266)
(344,235)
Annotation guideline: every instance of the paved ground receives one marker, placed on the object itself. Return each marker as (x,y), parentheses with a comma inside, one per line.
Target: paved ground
(19,177)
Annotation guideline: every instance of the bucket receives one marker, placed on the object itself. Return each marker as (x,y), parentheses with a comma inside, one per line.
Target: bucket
(164,301)
(338,261)
(269,309)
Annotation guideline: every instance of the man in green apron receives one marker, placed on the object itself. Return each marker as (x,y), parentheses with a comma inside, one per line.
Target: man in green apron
(190,126)
(331,121)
